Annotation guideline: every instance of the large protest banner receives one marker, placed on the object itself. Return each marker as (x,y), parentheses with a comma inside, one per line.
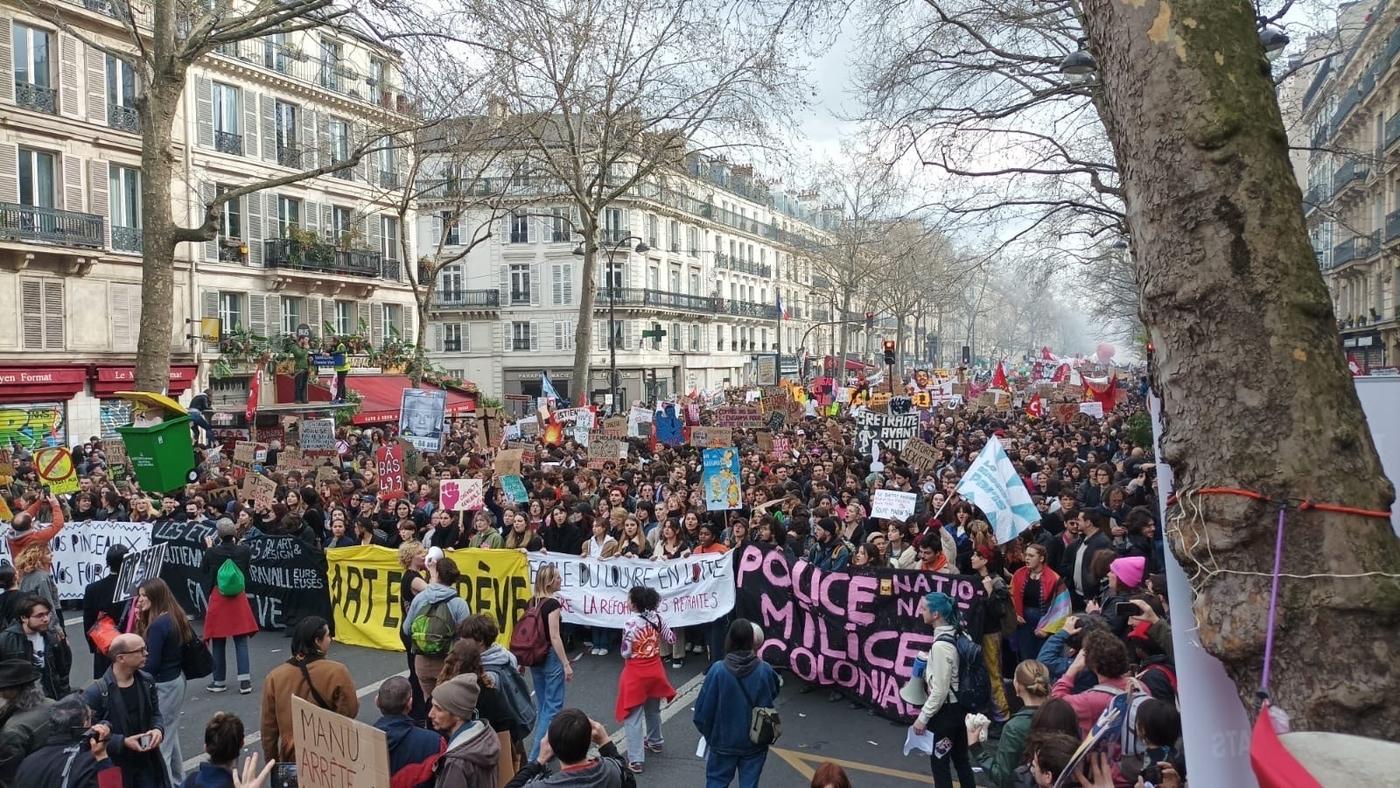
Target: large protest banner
(593,592)
(857,631)
(892,430)
(286,578)
(364,582)
(80,551)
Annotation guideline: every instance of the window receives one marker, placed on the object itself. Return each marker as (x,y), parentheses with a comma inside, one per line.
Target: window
(330,64)
(520,335)
(288,150)
(719,336)
(519,228)
(340,223)
(675,236)
(613,276)
(342,317)
(675,336)
(288,214)
(36,178)
(694,282)
(226,136)
(563,335)
(452,337)
(612,225)
(276,55)
(387,163)
(230,222)
(675,281)
(520,284)
(43,319)
(231,311)
(450,229)
(389,237)
(653,232)
(692,241)
(654,278)
(558,226)
(124,198)
(562,284)
(450,283)
(763,339)
(291,314)
(695,339)
(33,71)
(121,96)
(339,132)
(378,79)
(393,321)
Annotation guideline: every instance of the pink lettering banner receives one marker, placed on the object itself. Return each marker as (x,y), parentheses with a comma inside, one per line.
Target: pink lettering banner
(593,591)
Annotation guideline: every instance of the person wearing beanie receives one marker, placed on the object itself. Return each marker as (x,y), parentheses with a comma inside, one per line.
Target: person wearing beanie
(941,712)
(97,601)
(229,615)
(472,747)
(829,551)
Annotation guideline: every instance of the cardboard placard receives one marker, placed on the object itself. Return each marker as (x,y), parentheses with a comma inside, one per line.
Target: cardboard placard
(333,750)
(746,416)
(711,437)
(607,449)
(765,441)
(326,473)
(389,465)
(115,451)
(317,434)
(243,453)
(920,455)
(780,449)
(834,433)
(137,568)
(259,489)
(776,419)
(615,427)
(507,462)
(292,458)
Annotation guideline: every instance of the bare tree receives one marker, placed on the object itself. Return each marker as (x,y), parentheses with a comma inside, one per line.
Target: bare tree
(918,259)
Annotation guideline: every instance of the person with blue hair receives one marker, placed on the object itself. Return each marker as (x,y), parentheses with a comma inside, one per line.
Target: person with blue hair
(941,712)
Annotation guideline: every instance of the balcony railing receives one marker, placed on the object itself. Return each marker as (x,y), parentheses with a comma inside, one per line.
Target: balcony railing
(821,314)
(1349,173)
(1345,251)
(795,311)
(50,225)
(393,269)
(743,266)
(289,156)
(1370,245)
(36,97)
(390,180)
(613,236)
(820,282)
(338,77)
(467,299)
(123,118)
(1392,225)
(126,239)
(638,297)
(1392,130)
(517,343)
(228,142)
(750,309)
(302,256)
(1314,198)
(518,297)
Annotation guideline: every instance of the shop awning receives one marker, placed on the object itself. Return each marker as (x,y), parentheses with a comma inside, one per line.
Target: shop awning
(107,381)
(380,396)
(40,384)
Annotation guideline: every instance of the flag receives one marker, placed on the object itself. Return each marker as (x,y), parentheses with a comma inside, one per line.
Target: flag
(1103,390)
(782,310)
(254,388)
(1057,613)
(999,378)
(1274,765)
(992,484)
(1045,353)
(1061,373)
(1035,407)
(547,387)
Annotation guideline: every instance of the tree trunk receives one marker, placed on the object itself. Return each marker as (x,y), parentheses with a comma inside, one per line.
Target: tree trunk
(583,331)
(840,375)
(157,108)
(1255,392)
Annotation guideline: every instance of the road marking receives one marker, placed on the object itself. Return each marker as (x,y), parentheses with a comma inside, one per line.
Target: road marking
(801,762)
(685,695)
(253,738)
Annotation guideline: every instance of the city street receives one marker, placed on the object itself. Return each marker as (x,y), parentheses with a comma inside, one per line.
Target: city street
(813,728)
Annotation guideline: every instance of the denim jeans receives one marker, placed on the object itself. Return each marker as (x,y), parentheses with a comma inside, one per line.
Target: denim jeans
(720,769)
(240,655)
(549,697)
(170,697)
(602,637)
(636,741)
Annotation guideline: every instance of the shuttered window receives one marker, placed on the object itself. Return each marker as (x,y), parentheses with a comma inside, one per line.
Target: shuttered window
(43,321)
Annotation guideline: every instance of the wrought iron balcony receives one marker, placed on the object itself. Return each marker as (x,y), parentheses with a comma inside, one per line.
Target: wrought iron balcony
(1370,245)
(289,156)
(346,173)
(1346,251)
(390,180)
(1349,173)
(820,282)
(297,255)
(519,297)
(124,118)
(393,269)
(743,266)
(750,309)
(821,314)
(467,299)
(1392,225)
(50,225)
(517,343)
(126,239)
(1314,198)
(1392,130)
(637,297)
(228,142)
(36,97)
(614,236)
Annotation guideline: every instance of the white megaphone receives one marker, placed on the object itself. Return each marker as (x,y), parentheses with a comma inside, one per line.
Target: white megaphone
(914,691)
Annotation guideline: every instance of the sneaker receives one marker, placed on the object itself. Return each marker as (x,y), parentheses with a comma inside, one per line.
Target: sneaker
(602,652)
(635,768)
(245,687)
(216,687)
(654,746)
(677,664)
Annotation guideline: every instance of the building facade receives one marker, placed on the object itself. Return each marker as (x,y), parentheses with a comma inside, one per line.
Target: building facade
(322,252)
(722,250)
(1350,114)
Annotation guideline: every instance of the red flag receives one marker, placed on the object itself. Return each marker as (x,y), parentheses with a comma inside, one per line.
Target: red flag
(999,378)
(1107,393)
(1035,407)
(1037,371)
(254,388)
(1046,354)
(1061,373)
(1274,766)
(1357,368)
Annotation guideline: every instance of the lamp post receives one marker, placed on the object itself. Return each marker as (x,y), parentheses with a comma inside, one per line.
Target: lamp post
(612,310)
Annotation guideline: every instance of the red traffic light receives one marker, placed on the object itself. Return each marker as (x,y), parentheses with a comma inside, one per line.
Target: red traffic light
(889,345)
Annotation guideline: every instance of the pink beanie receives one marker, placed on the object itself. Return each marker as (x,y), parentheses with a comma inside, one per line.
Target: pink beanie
(1129,570)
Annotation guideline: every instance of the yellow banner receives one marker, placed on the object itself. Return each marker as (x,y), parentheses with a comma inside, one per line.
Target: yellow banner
(365,591)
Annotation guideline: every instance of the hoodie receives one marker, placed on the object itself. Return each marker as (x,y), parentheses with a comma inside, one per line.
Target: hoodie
(470,760)
(722,709)
(434,593)
(496,657)
(413,751)
(606,772)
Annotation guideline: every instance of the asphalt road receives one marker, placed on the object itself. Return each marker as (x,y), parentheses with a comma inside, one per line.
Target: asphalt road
(814,728)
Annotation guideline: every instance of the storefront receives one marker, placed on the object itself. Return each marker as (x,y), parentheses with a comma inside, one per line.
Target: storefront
(1365,347)
(34,404)
(108,380)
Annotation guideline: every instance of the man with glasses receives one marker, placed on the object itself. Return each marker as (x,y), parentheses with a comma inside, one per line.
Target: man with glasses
(29,639)
(124,700)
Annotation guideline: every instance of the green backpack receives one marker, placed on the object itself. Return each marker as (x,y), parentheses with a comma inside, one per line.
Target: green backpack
(432,630)
(229,580)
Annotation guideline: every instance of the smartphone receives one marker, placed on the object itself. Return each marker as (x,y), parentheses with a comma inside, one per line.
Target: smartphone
(144,740)
(1126,609)
(284,775)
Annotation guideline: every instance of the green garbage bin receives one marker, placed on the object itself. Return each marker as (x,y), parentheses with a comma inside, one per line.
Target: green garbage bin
(162,455)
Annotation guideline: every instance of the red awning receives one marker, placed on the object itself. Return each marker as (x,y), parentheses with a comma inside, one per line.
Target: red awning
(382,394)
(39,384)
(109,380)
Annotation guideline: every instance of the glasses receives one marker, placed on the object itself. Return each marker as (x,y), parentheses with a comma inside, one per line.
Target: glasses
(142,650)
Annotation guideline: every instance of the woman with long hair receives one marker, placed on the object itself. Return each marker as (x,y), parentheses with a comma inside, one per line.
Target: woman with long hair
(643,684)
(162,623)
(308,675)
(1033,588)
(34,566)
(522,536)
(633,542)
(412,560)
(465,657)
(550,676)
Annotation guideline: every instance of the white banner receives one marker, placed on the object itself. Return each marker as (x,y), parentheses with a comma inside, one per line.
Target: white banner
(694,590)
(80,551)
(893,505)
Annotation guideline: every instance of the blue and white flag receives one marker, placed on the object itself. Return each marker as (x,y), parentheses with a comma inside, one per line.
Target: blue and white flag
(993,485)
(547,386)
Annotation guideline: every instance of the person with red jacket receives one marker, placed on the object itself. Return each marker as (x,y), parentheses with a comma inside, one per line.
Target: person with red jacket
(1033,587)
(24,535)
(412,750)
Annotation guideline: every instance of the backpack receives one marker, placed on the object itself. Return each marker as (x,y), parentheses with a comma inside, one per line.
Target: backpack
(515,695)
(432,630)
(974,690)
(1119,719)
(196,661)
(229,579)
(529,641)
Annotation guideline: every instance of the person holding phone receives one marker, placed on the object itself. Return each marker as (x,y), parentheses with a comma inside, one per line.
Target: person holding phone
(124,701)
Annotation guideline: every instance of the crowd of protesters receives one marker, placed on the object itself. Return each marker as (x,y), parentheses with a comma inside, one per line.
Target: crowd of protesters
(465,716)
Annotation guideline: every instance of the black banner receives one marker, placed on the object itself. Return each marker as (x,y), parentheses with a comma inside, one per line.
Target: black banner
(286,579)
(857,631)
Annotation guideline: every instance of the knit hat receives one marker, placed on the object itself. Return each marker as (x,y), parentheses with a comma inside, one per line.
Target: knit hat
(1129,570)
(458,695)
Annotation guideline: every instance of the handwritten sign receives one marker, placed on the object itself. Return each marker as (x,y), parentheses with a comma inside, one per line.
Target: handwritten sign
(326,473)
(243,453)
(335,751)
(608,449)
(514,487)
(920,455)
(137,568)
(507,462)
(615,427)
(261,490)
(711,437)
(318,435)
(893,505)
(461,495)
(388,463)
(747,416)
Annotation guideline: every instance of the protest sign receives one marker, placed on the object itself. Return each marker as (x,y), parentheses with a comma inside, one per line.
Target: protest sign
(711,437)
(780,449)
(318,434)
(615,427)
(1094,409)
(919,455)
(137,568)
(115,452)
(776,419)
(7,466)
(669,426)
(291,458)
(80,551)
(421,413)
(243,453)
(364,583)
(388,463)
(893,505)
(765,441)
(746,416)
(334,751)
(528,428)
(507,462)
(286,579)
(326,473)
(259,489)
(461,495)
(607,449)
(581,435)
(719,477)
(593,592)
(860,634)
(514,487)
(892,430)
(56,471)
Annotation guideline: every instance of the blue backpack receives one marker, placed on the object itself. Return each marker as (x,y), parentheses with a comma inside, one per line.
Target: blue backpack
(974,689)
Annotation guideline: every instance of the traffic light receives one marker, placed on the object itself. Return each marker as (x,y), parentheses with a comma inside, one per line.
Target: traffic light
(869,321)
(889,352)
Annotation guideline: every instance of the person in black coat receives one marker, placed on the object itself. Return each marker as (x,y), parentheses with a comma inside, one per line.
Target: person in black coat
(124,700)
(1077,564)
(54,662)
(63,761)
(97,599)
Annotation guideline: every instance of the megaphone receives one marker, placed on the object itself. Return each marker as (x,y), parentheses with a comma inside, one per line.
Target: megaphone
(914,691)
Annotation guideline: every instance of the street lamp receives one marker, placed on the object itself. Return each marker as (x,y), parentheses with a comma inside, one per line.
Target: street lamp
(640,248)
(1079,63)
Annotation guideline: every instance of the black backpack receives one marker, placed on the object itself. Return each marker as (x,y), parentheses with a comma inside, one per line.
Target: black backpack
(974,690)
